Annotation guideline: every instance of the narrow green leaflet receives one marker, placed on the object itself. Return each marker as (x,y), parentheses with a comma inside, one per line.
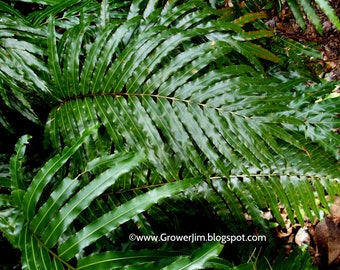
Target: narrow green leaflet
(86,195)
(4,122)
(293,48)
(44,2)
(46,173)
(272,200)
(294,6)
(294,198)
(100,56)
(71,62)
(57,198)
(249,17)
(104,14)
(5,200)
(230,201)
(329,11)
(5,173)
(53,59)
(121,214)
(6,8)
(56,7)
(247,199)
(16,163)
(257,51)
(22,66)
(118,260)
(251,35)
(104,44)
(312,15)
(198,259)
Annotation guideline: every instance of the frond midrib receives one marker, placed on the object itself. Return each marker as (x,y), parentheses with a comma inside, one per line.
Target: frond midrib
(51,252)
(222,108)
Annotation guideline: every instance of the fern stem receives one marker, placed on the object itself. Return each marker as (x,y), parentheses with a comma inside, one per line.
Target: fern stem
(69,266)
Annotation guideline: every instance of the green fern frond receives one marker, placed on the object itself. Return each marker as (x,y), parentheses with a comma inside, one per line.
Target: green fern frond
(21,65)
(39,233)
(250,17)
(142,79)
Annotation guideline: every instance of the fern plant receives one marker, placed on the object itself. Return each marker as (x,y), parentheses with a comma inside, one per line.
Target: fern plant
(163,117)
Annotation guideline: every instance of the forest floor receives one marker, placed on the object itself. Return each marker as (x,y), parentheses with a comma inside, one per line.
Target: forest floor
(328,68)
(329,41)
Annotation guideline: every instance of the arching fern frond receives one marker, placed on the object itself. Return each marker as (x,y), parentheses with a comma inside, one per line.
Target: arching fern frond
(177,93)
(185,97)
(50,208)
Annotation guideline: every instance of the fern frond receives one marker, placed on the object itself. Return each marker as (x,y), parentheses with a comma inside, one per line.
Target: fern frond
(41,228)
(294,190)
(142,84)
(21,65)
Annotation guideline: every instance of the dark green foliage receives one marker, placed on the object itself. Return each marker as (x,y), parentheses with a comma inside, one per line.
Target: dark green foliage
(162,117)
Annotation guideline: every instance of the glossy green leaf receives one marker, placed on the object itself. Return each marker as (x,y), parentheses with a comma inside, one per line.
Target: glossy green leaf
(121,214)
(57,198)
(21,59)
(294,6)
(53,59)
(199,257)
(254,35)
(329,11)
(16,163)
(85,196)
(116,260)
(312,15)
(46,173)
